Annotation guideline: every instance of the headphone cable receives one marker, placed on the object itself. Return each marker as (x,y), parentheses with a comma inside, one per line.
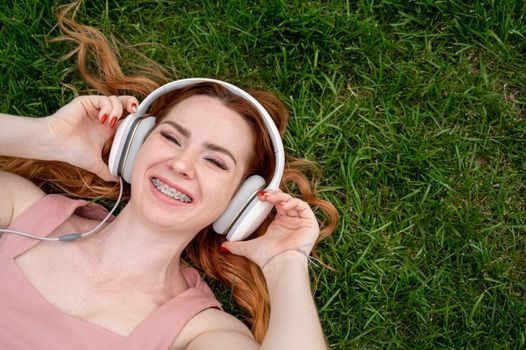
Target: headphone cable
(71,236)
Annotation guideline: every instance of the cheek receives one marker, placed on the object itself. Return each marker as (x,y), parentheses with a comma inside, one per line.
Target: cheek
(140,160)
(249,160)
(150,151)
(220,194)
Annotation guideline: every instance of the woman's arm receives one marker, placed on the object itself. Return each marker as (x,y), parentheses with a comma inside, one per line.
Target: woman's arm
(25,137)
(294,322)
(75,134)
(17,194)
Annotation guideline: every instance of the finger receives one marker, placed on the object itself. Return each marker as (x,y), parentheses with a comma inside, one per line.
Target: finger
(129,103)
(285,208)
(284,212)
(109,107)
(244,248)
(273,196)
(236,248)
(296,207)
(103,105)
(286,204)
(250,249)
(116,110)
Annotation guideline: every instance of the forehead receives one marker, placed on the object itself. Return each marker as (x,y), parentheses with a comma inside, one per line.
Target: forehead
(209,120)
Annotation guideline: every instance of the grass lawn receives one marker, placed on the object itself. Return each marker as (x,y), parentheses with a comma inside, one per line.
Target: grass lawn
(414,109)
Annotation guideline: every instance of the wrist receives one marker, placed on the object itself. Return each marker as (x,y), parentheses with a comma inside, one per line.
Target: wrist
(284,261)
(285,268)
(49,143)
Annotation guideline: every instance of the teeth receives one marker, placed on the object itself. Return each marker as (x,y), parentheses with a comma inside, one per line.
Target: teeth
(170,192)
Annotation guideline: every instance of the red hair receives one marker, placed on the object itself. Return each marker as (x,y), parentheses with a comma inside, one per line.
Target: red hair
(106,77)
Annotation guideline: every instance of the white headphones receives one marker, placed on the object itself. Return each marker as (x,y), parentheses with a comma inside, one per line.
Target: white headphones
(245,212)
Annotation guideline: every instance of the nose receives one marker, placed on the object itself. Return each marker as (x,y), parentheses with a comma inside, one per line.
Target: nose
(184,164)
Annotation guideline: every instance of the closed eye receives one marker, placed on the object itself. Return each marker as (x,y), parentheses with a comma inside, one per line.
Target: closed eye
(169,137)
(217,163)
(212,161)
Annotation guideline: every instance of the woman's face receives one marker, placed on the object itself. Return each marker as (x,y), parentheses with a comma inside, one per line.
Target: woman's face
(191,164)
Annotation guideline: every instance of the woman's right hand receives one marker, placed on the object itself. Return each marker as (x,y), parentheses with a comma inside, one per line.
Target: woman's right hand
(83,126)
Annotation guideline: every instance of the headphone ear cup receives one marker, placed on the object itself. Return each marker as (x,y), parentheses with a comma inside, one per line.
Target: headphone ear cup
(119,142)
(251,218)
(241,200)
(128,139)
(142,128)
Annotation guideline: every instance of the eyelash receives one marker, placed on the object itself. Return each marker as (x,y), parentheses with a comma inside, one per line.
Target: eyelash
(170,138)
(210,160)
(216,163)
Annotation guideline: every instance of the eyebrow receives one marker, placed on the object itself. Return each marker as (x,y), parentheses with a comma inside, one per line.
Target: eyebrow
(210,146)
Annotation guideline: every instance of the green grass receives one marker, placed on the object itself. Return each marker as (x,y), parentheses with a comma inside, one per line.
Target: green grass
(416,111)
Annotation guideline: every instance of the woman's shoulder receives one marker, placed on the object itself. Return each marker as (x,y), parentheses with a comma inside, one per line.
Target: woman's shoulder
(17,195)
(214,326)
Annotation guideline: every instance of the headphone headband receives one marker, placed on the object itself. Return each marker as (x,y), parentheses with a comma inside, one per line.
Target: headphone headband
(245,212)
(275,137)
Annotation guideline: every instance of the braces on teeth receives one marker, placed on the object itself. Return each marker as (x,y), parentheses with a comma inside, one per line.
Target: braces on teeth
(170,192)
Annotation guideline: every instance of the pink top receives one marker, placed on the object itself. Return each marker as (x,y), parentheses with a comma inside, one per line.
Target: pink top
(28,321)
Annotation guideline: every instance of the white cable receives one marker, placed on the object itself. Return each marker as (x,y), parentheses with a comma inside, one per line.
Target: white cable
(70,236)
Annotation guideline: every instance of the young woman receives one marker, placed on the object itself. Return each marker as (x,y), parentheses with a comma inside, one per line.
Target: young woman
(127,286)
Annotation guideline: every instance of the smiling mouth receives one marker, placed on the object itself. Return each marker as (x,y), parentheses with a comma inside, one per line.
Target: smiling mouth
(170,192)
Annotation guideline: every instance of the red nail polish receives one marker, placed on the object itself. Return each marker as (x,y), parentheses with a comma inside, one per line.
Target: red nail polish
(223,250)
(261,193)
(113,121)
(103,119)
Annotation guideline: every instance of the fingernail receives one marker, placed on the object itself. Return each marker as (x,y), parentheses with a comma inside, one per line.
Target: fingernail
(261,193)
(113,121)
(134,107)
(103,119)
(223,250)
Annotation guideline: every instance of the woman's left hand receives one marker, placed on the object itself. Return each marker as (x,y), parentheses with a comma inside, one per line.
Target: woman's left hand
(294,227)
